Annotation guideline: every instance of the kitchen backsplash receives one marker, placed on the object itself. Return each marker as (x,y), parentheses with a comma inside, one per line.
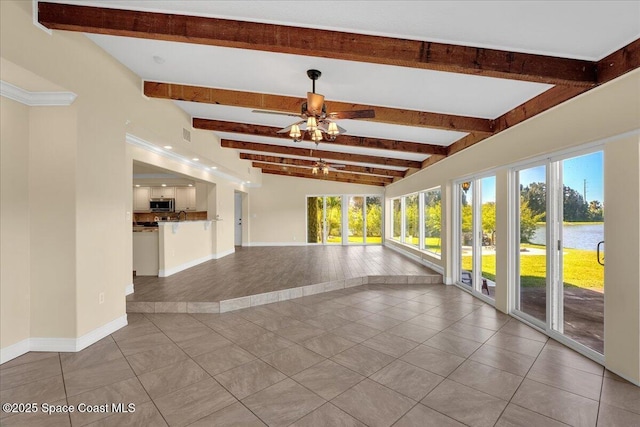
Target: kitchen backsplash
(166,216)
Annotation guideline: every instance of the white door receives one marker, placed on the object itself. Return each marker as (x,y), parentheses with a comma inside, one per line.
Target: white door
(238,219)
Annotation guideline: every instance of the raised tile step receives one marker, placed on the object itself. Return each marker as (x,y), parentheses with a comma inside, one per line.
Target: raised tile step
(274,296)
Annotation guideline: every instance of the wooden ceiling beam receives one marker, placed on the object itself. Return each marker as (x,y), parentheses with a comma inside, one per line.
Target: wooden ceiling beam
(613,66)
(365,179)
(311,163)
(326,155)
(290,104)
(319,43)
(347,140)
(619,62)
(321,177)
(546,100)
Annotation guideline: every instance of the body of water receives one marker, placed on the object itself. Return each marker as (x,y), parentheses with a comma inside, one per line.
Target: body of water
(583,236)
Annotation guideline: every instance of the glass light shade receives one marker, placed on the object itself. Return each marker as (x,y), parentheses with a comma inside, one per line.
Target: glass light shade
(325,170)
(333,129)
(314,170)
(312,124)
(295,132)
(316,135)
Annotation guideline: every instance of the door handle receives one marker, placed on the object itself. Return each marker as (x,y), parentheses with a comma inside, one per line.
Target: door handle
(598,253)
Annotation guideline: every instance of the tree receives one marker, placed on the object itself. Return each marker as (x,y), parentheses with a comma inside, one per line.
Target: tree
(574,206)
(397,219)
(334,215)
(596,211)
(314,209)
(433,214)
(535,195)
(528,221)
(489,220)
(356,219)
(374,217)
(411,217)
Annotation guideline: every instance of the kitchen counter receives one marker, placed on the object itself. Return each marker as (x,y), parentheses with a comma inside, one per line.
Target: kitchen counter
(145,229)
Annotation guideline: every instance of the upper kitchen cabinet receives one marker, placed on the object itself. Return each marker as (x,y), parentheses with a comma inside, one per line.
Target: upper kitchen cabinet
(141,196)
(185,199)
(165,192)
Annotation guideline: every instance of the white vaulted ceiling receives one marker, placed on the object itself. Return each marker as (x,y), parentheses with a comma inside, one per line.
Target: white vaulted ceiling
(585,30)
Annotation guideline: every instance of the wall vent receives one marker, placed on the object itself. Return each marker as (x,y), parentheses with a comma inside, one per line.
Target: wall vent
(186,135)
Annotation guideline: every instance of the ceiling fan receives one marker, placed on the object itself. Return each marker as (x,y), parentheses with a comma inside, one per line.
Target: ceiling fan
(322,166)
(315,120)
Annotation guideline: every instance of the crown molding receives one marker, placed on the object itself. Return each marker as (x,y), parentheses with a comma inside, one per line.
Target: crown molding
(36,99)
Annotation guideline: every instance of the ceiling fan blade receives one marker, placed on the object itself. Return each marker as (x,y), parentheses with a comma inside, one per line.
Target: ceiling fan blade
(288,128)
(357,114)
(275,112)
(315,102)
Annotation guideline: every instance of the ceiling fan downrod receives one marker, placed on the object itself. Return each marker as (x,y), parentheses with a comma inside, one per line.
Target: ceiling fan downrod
(314,75)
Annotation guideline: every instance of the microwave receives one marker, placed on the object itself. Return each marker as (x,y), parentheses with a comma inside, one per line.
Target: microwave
(162,205)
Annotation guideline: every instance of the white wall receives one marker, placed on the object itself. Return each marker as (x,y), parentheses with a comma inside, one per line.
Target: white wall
(277,210)
(15,246)
(184,244)
(78,195)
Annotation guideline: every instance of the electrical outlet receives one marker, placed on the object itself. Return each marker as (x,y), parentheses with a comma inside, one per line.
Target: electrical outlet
(101,297)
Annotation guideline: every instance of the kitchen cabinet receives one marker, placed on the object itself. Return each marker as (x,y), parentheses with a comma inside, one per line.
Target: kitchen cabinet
(164,192)
(141,196)
(185,199)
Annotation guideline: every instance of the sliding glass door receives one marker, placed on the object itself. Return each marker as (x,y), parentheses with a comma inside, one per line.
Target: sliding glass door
(532,253)
(476,231)
(360,216)
(561,242)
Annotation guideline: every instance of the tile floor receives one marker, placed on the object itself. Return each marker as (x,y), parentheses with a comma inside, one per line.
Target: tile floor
(256,270)
(373,355)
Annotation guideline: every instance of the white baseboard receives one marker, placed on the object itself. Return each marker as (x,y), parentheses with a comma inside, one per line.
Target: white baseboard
(193,263)
(129,289)
(14,350)
(225,253)
(62,344)
(181,267)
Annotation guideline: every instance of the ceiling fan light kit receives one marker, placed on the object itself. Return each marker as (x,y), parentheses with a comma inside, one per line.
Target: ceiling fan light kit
(318,125)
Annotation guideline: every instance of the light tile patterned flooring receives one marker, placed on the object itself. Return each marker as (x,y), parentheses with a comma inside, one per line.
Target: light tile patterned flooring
(251,271)
(376,355)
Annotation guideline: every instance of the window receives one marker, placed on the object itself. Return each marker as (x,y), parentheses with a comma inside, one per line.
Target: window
(417,220)
(396,205)
(411,221)
(432,213)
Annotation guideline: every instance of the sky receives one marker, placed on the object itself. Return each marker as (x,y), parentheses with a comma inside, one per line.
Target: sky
(575,170)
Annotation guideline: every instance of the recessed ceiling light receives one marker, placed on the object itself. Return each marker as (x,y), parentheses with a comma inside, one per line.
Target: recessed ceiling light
(158,59)
(168,147)
(195,159)
(190,185)
(164,185)
(214,167)
(137,185)
(248,182)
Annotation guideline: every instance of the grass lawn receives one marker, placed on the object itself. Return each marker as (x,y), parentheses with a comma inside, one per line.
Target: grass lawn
(355,239)
(580,268)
